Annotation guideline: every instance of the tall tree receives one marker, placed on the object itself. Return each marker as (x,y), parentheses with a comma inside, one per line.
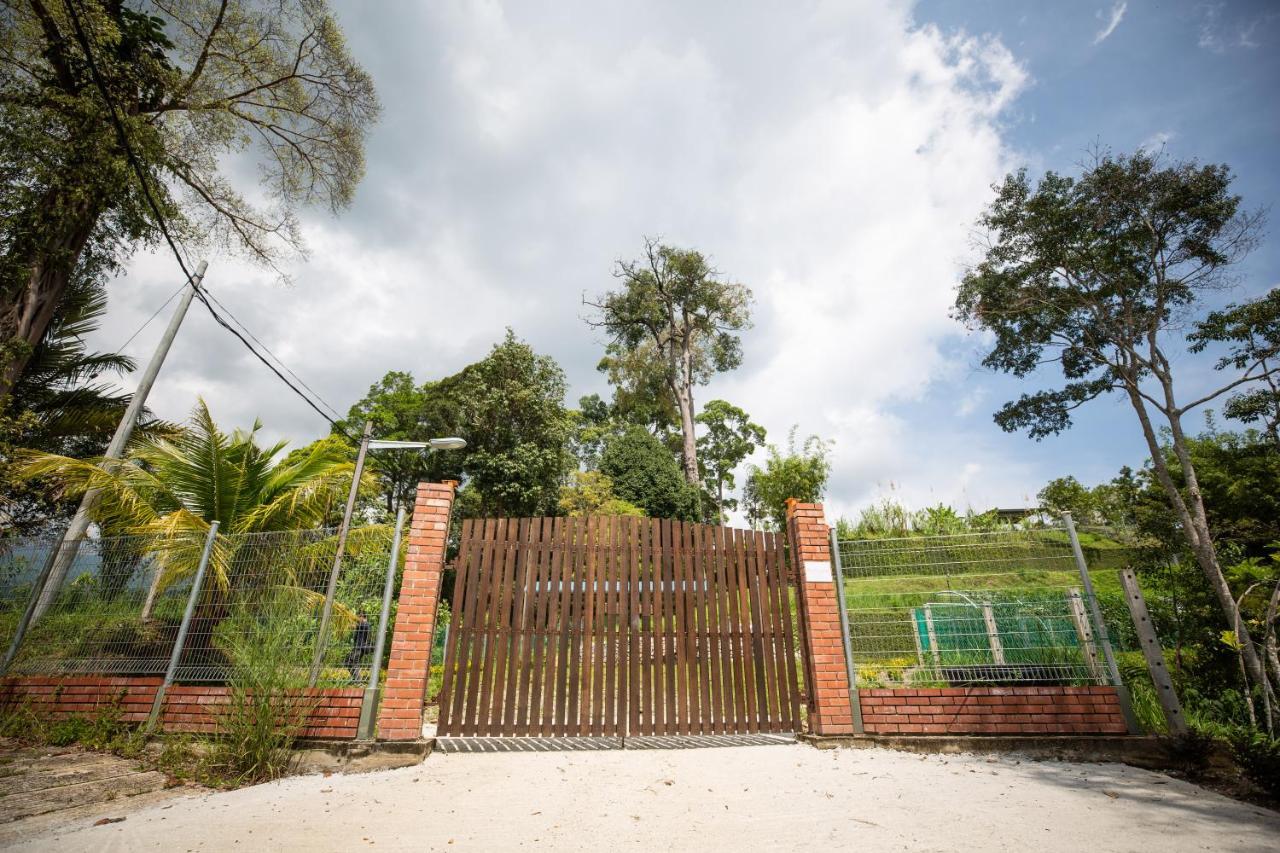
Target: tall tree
(800,473)
(510,409)
(675,309)
(1101,275)
(1251,333)
(644,473)
(191,84)
(730,437)
(402,410)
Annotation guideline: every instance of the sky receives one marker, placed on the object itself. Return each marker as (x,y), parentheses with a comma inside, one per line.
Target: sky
(832,156)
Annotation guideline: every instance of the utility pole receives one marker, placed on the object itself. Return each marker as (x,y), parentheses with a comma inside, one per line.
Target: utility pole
(70,543)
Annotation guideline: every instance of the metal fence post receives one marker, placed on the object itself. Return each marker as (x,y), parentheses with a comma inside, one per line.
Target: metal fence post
(854,704)
(181,640)
(373,691)
(1104,639)
(1151,650)
(36,591)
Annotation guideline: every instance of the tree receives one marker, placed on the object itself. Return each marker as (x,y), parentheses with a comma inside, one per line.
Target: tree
(1252,332)
(800,473)
(1067,494)
(644,473)
(510,409)
(1099,274)
(730,438)
(169,490)
(675,311)
(401,410)
(190,85)
(591,493)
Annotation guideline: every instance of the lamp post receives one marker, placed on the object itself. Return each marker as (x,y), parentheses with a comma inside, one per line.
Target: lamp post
(366,444)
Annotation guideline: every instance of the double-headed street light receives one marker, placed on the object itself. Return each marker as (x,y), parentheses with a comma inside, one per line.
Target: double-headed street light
(366,444)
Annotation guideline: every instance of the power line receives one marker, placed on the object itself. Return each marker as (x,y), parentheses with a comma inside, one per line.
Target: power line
(160,220)
(279,361)
(147,322)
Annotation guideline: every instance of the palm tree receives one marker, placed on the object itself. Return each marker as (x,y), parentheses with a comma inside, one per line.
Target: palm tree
(171,488)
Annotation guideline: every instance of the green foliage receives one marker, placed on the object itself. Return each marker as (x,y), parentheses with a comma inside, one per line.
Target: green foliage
(169,490)
(1258,755)
(195,85)
(591,493)
(1251,331)
(269,649)
(511,412)
(730,438)
(672,325)
(1087,271)
(800,473)
(643,472)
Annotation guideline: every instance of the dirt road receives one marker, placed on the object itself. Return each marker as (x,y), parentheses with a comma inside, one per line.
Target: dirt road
(744,798)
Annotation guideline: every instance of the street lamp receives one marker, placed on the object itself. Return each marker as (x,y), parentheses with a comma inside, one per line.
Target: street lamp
(366,444)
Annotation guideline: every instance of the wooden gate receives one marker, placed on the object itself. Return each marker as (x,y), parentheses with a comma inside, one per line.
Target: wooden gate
(618,626)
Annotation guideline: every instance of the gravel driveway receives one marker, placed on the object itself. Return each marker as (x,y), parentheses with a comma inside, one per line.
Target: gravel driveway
(743,798)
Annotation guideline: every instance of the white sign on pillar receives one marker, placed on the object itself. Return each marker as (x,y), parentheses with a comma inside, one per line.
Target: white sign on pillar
(817,571)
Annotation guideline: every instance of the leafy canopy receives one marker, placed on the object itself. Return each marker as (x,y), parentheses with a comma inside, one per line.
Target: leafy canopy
(800,473)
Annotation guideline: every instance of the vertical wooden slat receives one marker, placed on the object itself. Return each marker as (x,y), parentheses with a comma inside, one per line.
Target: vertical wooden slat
(476,622)
(449,675)
(788,631)
(538,629)
(573,568)
(545,655)
(664,703)
(617,684)
(587,642)
(729,627)
(478,692)
(743,591)
(679,663)
(497,629)
(565,613)
(511,647)
(634,623)
(648,649)
(764,714)
(693,622)
(706,551)
(528,613)
(775,668)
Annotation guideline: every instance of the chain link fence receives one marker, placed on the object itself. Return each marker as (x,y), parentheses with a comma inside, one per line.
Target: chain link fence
(997,608)
(119,609)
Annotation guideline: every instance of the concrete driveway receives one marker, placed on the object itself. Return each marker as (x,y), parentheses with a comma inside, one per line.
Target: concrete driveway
(744,798)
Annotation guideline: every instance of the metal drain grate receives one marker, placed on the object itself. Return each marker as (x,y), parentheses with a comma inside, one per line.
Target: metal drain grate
(588,744)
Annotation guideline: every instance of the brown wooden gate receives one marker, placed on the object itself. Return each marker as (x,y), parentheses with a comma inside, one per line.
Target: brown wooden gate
(618,626)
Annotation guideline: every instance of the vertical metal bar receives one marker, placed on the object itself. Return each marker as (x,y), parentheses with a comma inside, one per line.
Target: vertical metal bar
(181,641)
(36,590)
(372,691)
(326,614)
(855,704)
(1153,653)
(1104,640)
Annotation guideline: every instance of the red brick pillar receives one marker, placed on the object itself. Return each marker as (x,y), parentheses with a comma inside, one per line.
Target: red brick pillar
(400,714)
(830,709)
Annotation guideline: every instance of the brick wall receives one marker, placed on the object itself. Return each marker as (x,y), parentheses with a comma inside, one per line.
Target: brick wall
(187,708)
(993,710)
(830,711)
(408,670)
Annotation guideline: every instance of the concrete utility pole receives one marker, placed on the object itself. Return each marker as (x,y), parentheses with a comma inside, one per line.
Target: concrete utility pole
(70,544)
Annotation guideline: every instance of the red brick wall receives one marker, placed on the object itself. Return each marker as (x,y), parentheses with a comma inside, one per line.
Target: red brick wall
(992,710)
(187,708)
(830,712)
(405,693)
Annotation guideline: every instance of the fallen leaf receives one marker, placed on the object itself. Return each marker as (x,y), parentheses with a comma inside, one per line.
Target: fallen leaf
(1112,794)
(106,820)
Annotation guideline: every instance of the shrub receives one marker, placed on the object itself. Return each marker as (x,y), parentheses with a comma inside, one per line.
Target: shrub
(1258,755)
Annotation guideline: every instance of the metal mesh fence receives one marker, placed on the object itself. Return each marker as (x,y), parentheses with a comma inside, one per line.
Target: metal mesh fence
(120,606)
(1002,607)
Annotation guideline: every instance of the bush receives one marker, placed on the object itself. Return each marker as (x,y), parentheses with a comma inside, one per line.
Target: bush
(268,703)
(1258,755)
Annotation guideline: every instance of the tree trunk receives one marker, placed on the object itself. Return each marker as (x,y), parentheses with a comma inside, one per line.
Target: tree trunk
(38,273)
(1195,529)
(684,400)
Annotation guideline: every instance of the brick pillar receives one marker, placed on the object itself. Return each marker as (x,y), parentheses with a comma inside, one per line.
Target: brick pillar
(830,710)
(400,713)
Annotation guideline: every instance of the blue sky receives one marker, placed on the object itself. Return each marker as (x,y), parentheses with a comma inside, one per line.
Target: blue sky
(832,156)
(1201,79)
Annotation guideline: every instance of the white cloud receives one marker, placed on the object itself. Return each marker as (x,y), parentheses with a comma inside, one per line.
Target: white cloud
(833,157)
(1114,18)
